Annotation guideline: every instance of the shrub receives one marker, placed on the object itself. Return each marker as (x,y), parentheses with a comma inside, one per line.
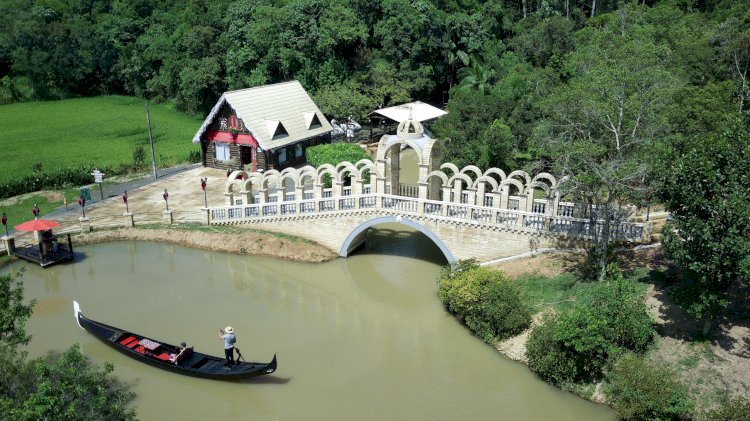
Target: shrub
(485,300)
(639,389)
(47,180)
(547,356)
(334,153)
(734,409)
(609,321)
(139,157)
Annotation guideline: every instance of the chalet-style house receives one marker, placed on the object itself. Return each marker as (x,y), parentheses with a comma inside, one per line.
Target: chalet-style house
(262,128)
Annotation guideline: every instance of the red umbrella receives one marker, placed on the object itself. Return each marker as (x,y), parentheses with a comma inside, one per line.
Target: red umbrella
(37,225)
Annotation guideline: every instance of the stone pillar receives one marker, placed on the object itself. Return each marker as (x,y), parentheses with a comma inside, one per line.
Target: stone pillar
(229,199)
(395,169)
(299,193)
(446,199)
(529,201)
(422,195)
(247,196)
(129,222)
(379,177)
(480,193)
(10,243)
(422,181)
(262,196)
(338,188)
(522,203)
(167,215)
(85,224)
(471,193)
(503,202)
(457,190)
(379,185)
(318,190)
(555,204)
(280,195)
(358,187)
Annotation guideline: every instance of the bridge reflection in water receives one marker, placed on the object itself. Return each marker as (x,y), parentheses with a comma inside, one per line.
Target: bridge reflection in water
(392,239)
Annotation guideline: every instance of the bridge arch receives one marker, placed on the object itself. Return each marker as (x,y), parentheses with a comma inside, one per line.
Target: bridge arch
(357,236)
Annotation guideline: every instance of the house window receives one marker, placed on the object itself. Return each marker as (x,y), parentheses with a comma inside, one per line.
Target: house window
(298,150)
(282,155)
(222,152)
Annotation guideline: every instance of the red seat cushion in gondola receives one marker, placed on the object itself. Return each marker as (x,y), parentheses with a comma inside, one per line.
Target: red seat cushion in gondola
(132,344)
(128,340)
(140,349)
(163,356)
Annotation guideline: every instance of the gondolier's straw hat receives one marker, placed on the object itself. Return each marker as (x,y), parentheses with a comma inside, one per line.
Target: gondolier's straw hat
(229,329)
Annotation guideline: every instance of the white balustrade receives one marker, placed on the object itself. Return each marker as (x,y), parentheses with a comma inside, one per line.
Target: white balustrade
(446,211)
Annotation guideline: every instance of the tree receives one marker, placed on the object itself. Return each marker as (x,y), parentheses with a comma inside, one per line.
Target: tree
(13,313)
(601,125)
(66,387)
(704,185)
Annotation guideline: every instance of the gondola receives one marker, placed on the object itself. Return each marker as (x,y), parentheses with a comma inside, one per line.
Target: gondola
(170,357)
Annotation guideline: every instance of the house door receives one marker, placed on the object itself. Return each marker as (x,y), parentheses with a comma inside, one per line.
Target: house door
(246,156)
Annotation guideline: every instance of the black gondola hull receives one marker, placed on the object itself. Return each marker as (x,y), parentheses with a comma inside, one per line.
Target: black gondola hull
(197,365)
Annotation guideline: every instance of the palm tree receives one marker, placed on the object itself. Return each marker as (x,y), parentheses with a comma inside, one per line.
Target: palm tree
(476,76)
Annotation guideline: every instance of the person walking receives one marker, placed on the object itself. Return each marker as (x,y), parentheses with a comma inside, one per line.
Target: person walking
(227,334)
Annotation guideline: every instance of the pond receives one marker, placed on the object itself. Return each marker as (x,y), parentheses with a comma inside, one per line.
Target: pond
(358,338)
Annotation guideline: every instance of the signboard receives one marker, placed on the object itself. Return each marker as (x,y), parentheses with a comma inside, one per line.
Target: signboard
(98,175)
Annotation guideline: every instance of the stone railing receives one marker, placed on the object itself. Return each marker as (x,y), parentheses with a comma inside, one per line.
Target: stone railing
(452,212)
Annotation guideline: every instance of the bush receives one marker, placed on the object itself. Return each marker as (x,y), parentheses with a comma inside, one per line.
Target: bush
(547,356)
(612,319)
(734,409)
(47,180)
(334,153)
(485,300)
(639,389)
(139,157)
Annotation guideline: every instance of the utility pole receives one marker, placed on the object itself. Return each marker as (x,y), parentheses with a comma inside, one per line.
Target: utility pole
(151,140)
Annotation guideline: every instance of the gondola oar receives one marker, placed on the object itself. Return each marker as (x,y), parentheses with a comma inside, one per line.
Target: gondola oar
(238,353)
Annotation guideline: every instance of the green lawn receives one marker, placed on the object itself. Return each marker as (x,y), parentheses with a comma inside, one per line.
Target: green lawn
(99,131)
(20,211)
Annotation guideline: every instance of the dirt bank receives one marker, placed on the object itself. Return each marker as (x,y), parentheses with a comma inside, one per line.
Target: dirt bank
(238,242)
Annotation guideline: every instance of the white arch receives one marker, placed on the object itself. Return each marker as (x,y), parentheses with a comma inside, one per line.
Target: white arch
(382,152)
(473,168)
(514,182)
(357,236)
(546,176)
(491,181)
(439,174)
(461,176)
(451,166)
(523,174)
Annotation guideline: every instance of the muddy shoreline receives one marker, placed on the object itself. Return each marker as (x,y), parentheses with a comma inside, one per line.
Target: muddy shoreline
(240,242)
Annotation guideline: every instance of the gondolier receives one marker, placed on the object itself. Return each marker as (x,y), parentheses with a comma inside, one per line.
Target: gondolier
(227,334)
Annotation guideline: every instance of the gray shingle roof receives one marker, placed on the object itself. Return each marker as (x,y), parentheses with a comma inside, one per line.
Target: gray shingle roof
(263,108)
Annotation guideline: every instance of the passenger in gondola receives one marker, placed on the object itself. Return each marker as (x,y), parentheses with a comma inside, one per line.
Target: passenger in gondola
(175,358)
(227,334)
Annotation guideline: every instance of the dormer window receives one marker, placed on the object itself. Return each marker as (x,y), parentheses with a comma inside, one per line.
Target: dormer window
(312,121)
(276,130)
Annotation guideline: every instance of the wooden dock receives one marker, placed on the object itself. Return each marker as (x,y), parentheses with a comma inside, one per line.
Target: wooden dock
(35,254)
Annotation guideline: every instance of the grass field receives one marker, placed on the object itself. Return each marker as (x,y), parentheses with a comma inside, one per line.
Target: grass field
(100,131)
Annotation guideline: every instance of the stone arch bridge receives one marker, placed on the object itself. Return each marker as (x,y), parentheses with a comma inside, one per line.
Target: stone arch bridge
(467,213)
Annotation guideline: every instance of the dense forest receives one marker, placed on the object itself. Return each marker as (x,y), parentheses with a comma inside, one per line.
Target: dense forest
(630,102)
